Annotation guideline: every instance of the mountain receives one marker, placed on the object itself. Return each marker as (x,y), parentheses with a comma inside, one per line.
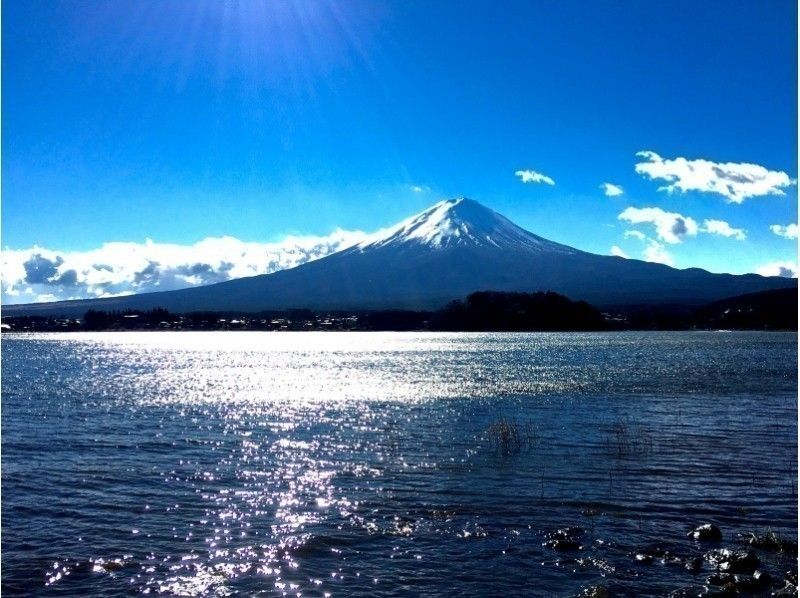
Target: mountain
(463,223)
(450,250)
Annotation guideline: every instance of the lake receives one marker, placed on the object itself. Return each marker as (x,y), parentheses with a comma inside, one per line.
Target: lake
(391,464)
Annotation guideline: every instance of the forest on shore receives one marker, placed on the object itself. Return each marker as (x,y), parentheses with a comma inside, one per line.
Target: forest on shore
(480,311)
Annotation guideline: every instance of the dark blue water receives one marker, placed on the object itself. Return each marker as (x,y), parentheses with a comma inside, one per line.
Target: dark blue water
(354,464)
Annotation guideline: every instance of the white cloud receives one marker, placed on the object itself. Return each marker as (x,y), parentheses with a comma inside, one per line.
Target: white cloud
(39,274)
(656,252)
(670,226)
(635,234)
(784,269)
(612,190)
(720,227)
(618,252)
(734,180)
(420,188)
(789,231)
(531,176)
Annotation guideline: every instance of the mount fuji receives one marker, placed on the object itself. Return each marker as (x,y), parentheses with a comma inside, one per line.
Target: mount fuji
(453,248)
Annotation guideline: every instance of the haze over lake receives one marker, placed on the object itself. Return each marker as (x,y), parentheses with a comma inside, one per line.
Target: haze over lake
(363,464)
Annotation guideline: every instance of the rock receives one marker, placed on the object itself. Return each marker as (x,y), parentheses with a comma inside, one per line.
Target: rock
(790,585)
(786,591)
(761,579)
(562,544)
(733,561)
(113,565)
(791,577)
(101,565)
(741,563)
(655,550)
(567,538)
(694,565)
(706,533)
(595,592)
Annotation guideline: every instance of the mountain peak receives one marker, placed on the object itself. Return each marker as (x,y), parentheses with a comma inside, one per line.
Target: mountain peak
(460,222)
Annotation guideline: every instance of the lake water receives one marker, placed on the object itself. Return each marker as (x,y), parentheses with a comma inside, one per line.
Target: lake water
(362,464)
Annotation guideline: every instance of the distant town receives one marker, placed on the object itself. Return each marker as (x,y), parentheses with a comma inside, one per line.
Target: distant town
(160,319)
(482,311)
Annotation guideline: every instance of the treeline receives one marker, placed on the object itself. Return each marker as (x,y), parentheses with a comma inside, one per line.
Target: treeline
(767,310)
(489,311)
(481,311)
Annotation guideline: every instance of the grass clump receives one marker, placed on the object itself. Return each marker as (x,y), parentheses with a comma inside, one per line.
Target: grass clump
(629,439)
(509,437)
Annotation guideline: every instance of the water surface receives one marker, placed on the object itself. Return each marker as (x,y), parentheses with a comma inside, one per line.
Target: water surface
(358,464)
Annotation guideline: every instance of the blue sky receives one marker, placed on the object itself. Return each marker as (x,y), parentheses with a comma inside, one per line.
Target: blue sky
(178,121)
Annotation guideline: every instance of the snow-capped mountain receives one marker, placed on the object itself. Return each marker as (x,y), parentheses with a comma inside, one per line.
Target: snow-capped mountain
(460,222)
(443,253)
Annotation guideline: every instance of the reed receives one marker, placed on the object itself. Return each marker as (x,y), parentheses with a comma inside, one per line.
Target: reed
(629,439)
(509,437)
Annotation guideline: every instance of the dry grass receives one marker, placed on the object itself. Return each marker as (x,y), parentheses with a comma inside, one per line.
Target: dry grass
(509,437)
(629,439)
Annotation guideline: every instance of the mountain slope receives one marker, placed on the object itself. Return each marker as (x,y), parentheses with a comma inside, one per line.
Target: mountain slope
(446,252)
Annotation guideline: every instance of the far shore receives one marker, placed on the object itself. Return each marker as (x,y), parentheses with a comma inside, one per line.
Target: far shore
(484,311)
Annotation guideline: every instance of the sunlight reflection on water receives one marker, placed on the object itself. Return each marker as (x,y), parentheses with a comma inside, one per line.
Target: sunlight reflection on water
(324,367)
(356,463)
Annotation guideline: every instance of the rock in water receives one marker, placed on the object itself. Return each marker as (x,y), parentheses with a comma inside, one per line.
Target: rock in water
(706,533)
(733,561)
(694,565)
(644,559)
(567,538)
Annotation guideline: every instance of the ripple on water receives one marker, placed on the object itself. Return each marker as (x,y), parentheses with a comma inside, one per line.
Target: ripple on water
(358,464)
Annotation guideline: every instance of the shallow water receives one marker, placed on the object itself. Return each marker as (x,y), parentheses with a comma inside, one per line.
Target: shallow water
(358,464)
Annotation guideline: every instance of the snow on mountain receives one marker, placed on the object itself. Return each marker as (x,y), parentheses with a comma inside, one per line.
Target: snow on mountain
(460,222)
